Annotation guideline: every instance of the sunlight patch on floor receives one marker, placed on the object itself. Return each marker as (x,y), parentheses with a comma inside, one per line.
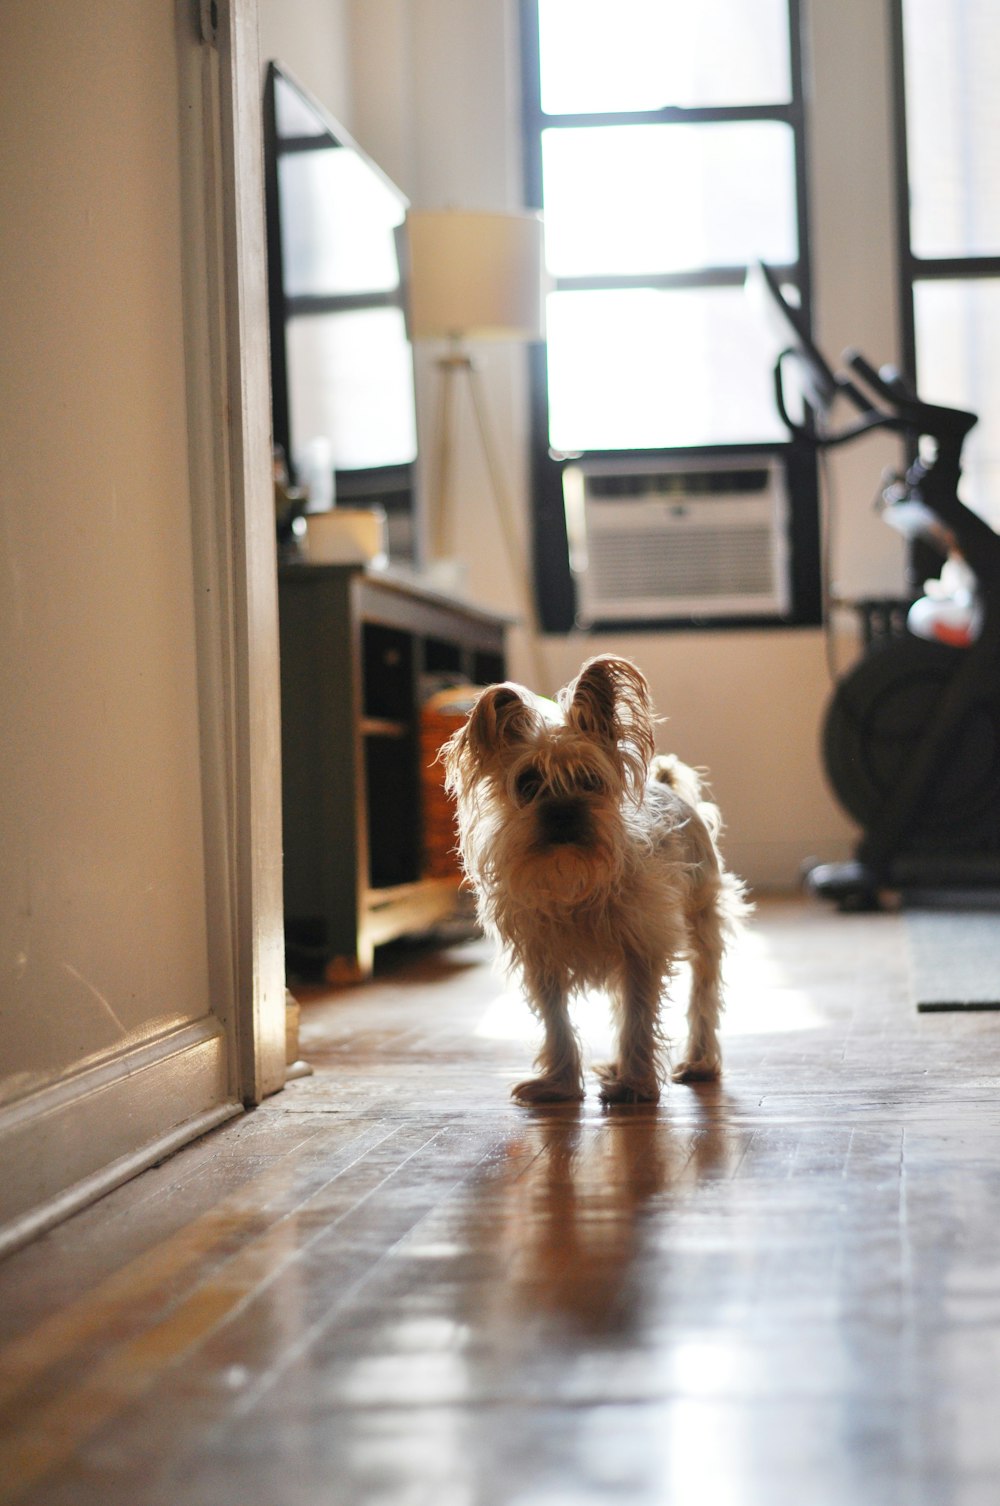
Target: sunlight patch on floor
(760,1001)
(508,1017)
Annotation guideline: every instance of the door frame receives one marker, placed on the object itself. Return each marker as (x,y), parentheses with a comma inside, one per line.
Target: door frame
(245,548)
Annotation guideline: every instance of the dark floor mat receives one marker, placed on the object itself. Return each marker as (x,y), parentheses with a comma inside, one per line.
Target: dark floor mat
(954,958)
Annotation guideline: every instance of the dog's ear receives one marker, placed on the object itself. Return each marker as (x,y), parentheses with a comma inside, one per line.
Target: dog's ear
(610,701)
(500,719)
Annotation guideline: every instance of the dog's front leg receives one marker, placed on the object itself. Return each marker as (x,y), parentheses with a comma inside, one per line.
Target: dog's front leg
(635,1076)
(560,1078)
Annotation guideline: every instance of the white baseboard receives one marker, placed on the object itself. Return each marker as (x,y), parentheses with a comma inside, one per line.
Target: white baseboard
(69,1143)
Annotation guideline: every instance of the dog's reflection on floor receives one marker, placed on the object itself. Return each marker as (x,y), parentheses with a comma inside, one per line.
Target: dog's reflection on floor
(582,1204)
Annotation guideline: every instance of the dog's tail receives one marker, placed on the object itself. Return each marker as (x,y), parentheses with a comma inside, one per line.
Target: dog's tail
(733,900)
(668,769)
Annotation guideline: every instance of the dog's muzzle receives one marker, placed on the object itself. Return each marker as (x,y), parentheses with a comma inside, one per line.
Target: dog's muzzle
(564,822)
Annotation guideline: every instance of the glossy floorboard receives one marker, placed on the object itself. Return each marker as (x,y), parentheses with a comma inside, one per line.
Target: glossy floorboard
(390,1285)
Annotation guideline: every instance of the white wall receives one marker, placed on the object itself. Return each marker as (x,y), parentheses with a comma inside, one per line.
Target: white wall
(854,260)
(102,877)
(431,93)
(310,37)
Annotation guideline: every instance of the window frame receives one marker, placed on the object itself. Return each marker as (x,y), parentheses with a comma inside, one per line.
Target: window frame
(554,587)
(924,560)
(914,268)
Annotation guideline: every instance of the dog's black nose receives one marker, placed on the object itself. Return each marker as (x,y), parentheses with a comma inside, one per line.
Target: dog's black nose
(564,821)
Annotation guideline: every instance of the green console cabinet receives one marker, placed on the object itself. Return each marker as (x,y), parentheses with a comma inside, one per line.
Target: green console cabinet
(361,652)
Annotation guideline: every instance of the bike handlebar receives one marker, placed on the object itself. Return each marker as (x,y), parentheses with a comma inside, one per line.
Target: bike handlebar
(911,410)
(882,399)
(902,410)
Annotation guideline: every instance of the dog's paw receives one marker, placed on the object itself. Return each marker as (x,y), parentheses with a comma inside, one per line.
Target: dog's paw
(697,1069)
(547,1090)
(618,1089)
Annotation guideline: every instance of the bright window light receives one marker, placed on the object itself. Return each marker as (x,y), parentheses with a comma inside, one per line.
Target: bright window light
(646,54)
(647,368)
(353,386)
(642,199)
(958,343)
(953,124)
(339,237)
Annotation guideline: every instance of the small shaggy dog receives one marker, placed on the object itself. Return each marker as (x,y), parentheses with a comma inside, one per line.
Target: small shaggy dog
(595,865)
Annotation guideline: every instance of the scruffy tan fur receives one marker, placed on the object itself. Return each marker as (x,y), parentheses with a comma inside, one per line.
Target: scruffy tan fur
(596,865)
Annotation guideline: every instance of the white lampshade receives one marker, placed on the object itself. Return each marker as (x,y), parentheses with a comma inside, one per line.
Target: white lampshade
(475,275)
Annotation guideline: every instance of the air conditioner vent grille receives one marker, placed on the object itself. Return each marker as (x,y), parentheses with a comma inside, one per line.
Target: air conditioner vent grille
(702,562)
(684,540)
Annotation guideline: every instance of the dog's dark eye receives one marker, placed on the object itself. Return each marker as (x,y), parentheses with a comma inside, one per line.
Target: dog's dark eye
(527,784)
(590,782)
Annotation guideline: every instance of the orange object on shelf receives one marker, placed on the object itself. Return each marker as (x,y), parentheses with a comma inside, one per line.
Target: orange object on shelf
(441,715)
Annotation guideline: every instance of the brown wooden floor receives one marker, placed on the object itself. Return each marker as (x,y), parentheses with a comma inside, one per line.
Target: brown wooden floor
(391,1285)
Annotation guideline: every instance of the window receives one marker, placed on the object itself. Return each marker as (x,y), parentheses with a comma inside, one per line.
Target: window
(664,143)
(342,367)
(947,63)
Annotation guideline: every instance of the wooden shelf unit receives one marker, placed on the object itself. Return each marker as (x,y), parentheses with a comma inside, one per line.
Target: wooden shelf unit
(359,651)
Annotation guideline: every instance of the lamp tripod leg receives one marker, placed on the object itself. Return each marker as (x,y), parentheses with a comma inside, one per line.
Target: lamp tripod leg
(442,514)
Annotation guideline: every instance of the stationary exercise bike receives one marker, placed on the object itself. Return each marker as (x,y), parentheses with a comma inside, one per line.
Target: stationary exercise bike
(911,739)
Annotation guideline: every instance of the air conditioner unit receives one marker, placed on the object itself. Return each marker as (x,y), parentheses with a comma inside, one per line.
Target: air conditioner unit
(691,538)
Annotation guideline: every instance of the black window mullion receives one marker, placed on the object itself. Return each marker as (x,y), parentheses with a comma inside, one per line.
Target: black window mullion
(341,303)
(801,274)
(907,322)
(925,268)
